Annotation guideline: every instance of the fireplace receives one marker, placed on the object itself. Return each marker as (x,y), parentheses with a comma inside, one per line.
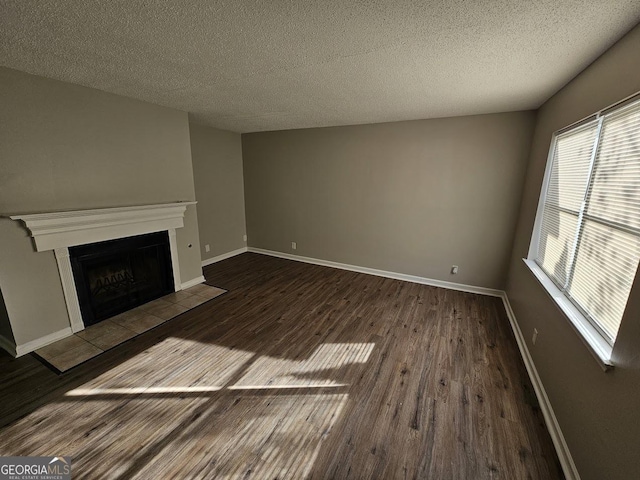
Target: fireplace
(139,272)
(117,275)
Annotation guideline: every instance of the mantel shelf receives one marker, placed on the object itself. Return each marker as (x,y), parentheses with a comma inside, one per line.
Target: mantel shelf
(69,228)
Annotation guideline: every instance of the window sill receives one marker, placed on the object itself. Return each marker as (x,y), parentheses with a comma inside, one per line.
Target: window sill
(595,342)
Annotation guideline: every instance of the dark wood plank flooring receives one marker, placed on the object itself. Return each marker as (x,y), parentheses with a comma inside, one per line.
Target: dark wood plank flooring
(300,371)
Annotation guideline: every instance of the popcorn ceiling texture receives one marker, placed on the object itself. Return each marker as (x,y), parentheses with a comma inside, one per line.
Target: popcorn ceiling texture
(259,65)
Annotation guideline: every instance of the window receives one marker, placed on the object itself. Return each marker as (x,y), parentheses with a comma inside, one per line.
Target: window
(586,243)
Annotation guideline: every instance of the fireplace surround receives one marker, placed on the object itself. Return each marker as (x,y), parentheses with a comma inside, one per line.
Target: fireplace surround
(114,276)
(62,231)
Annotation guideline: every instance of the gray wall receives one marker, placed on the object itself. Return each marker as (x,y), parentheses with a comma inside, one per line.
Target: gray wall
(217,173)
(64,146)
(408,197)
(598,412)
(5,324)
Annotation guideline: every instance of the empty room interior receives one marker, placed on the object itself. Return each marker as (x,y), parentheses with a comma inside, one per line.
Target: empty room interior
(328,240)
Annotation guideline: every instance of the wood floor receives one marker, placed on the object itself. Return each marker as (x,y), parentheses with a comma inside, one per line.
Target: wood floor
(299,371)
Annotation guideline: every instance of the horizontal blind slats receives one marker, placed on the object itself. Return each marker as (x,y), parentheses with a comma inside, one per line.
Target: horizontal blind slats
(606,264)
(569,176)
(615,193)
(608,248)
(556,240)
(571,164)
(599,274)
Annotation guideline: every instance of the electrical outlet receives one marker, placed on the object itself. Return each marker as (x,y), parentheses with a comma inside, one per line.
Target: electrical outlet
(454,269)
(294,245)
(207,248)
(244,238)
(534,338)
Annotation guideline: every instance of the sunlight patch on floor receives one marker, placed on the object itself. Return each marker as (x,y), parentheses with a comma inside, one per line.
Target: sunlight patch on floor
(322,369)
(286,387)
(176,365)
(275,436)
(81,392)
(180,402)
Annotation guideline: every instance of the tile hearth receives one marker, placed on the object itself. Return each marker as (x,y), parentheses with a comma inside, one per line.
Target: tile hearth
(96,339)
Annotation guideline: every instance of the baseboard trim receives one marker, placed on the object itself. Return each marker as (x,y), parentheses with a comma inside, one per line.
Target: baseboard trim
(8,346)
(383,273)
(562,449)
(193,282)
(42,341)
(224,256)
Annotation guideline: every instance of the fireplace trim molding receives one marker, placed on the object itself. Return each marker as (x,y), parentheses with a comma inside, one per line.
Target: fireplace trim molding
(58,231)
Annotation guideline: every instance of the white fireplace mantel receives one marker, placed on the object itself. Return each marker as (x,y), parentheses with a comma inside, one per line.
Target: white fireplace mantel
(66,229)
(58,231)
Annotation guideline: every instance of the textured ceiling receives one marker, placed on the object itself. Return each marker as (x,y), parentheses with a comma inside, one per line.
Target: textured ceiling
(257,65)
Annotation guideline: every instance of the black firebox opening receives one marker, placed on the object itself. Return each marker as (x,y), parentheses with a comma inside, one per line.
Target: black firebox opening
(118,275)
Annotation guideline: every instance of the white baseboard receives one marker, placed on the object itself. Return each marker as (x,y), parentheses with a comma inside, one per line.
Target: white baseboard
(8,346)
(193,282)
(383,273)
(564,455)
(28,347)
(224,256)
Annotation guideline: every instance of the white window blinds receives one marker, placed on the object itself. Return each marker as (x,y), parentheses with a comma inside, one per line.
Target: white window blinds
(589,237)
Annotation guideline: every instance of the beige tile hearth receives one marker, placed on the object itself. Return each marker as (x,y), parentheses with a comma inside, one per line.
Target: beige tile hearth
(192,301)
(155,305)
(75,356)
(61,346)
(128,316)
(68,352)
(206,291)
(170,311)
(95,339)
(106,334)
(176,297)
(99,330)
(139,323)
